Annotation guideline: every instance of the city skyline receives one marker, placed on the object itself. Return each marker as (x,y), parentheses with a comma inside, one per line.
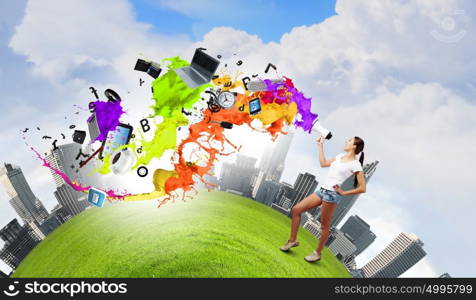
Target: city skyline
(340,241)
(399,256)
(18,239)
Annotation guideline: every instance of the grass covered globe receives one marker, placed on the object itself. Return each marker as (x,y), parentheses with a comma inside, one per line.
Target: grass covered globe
(216,234)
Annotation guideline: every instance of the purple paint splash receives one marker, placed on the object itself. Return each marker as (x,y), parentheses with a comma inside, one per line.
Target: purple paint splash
(107,116)
(276,92)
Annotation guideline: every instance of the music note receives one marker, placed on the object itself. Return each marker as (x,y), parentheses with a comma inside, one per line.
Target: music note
(54,145)
(270,65)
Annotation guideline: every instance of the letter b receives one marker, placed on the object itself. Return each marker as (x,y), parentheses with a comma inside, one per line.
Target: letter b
(144,123)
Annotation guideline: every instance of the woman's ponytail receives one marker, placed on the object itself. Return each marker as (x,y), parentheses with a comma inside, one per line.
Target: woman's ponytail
(361,159)
(359,149)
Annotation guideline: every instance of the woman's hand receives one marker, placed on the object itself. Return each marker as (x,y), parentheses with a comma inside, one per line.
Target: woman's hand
(320,140)
(339,190)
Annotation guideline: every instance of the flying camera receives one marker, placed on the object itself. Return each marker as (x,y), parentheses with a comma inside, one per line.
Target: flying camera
(317,127)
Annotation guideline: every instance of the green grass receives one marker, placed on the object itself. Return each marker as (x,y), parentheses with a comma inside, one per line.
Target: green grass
(214,235)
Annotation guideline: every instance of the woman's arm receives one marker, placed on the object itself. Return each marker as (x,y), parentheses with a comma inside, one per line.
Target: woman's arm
(322,160)
(361,187)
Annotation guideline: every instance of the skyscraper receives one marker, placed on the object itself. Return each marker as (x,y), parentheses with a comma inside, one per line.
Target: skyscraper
(358,232)
(267,192)
(62,159)
(340,245)
(272,163)
(61,213)
(338,242)
(239,176)
(72,201)
(304,185)
(399,256)
(284,195)
(22,199)
(19,241)
(347,202)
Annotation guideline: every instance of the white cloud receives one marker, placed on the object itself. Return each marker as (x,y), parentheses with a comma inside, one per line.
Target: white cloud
(374,70)
(61,38)
(423,136)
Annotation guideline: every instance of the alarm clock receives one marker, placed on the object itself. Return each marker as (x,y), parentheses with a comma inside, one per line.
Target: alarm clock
(226,99)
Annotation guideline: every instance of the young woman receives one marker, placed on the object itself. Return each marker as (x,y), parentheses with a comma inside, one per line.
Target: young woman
(330,193)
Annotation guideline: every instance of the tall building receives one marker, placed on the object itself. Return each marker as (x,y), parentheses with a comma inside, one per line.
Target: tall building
(260,179)
(22,199)
(399,256)
(211,180)
(62,158)
(312,225)
(284,195)
(348,201)
(50,224)
(340,245)
(72,201)
(61,213)
(304,185)
(350,263)
(283,210)
(19,241)
(338,242)
(238,177)
(267,192)
(358,231)
(272,163)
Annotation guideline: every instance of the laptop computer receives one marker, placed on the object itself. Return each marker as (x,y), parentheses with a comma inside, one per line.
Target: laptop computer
(200,71)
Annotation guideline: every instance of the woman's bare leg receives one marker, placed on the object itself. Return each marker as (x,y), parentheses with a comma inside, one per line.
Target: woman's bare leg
(307,203)
(327,210)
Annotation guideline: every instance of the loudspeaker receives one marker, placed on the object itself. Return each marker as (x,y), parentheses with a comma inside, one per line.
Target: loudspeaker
(317,127)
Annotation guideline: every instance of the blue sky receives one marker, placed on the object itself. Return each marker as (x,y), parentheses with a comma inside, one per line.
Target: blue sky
(269,19)
(373,56)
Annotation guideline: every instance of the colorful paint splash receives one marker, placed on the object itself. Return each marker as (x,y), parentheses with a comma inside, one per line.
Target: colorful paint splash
(281,103)
(112,195)
(107,116)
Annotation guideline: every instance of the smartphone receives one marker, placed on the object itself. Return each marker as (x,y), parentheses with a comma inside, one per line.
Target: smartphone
(255,106)
(119,137)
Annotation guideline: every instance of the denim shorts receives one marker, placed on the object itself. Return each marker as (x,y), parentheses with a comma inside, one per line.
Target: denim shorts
(329,196)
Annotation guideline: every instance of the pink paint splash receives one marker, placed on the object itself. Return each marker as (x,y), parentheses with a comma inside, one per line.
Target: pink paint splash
(76,186)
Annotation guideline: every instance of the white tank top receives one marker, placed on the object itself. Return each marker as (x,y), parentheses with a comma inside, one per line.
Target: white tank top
(340,171)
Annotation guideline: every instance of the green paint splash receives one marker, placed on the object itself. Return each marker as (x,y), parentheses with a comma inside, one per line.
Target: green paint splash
(170,94)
